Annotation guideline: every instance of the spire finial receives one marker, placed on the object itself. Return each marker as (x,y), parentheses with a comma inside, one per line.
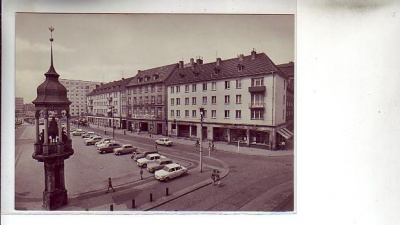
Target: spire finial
(51,40)
(51,33)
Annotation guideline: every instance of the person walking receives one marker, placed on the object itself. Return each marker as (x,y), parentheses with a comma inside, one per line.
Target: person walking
(110,185)
(283,145)
(213,176)
(217,178)
(213,146)
(141,173)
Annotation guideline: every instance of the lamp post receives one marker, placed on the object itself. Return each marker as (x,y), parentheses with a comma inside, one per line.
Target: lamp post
(79,120)
(111,107)
(201,137)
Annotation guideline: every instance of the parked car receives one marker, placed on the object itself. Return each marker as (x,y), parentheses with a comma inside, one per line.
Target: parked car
(77,132)
(158,164)
(93,140)
(109,147)
(103,141)
(164,141)
(87,134)
(149,158)
(125,149)
(143,154)
(170,171)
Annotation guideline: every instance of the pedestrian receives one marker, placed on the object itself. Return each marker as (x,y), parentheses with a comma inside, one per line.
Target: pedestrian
(213,174)
(283,145)
(141,173)
(110,185)
(217,178)
(213,146)
(156,147)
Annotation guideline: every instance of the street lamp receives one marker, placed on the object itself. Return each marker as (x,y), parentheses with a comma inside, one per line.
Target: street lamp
(111,107)
(201,137)
(79,119)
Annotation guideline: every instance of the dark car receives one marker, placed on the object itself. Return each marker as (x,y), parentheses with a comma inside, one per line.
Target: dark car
(109,147)
(143,154)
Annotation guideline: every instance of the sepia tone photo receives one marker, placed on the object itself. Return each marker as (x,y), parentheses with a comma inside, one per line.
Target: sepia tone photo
(155,112)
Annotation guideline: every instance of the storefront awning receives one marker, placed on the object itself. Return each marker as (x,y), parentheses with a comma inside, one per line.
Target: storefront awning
(285,133)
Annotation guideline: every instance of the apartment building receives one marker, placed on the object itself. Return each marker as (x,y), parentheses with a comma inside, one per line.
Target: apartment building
(106,104)
(77,91)
(241,99)
(288,68)
(19,108)
(146,100)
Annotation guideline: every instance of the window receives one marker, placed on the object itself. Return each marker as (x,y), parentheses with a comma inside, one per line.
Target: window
(213,100)
(178,113)
(133,90)
(172,101)
(283,99)
(204,100)
(214,86)
(140,90)
(238,84)
(178,101)
(257,114)
(213,114)
(227,84)
(194,87)
(178,89)
(227,99)
(257,81)
(153,99)
(186,113)
(284,84)
(283,114)
(204,113)
(186,101)
(172,113)
(194,113)
(186,88)
(153,88)
(238,99)
(238,114)
(159,99)
(194,100)
(226,113)
(204,86)
(146,89)
(172,90)
(160,88)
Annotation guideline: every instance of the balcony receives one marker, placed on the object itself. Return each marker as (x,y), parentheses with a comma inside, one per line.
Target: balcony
(257,105)
(257,89)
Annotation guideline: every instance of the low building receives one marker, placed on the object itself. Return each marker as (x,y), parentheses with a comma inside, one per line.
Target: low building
(241,99)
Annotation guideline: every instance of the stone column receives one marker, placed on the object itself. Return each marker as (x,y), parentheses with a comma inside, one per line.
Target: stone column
(59,129)
(37,126)
(248,137)
(68,128)
(62,179)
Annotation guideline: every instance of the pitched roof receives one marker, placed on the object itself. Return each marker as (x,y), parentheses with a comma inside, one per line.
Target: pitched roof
(287,68)
(261,64)
(153,75)
(110,87)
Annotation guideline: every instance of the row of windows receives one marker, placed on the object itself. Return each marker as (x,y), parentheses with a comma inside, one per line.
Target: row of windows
(255,114)
(204,100)
(144,89)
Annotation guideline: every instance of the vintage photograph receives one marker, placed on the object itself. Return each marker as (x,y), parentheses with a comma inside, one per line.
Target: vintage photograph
(155,112)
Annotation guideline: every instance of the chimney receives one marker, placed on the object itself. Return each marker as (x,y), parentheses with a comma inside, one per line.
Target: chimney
(191,62)
(138,71)
(199,61)
(241,56)
(218,61)
(97,86)
(180,64)
(253,54)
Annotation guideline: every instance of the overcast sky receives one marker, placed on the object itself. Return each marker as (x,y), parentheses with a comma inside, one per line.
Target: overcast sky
(107,47)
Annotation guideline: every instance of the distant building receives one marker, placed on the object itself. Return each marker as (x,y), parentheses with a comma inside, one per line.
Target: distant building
(288,68)
(29,110)
(19,108)
(77,91)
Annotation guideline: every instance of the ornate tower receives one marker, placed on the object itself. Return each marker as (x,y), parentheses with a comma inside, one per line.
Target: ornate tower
(53,144)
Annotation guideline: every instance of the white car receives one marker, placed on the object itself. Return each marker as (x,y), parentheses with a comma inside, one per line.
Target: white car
(170,171)
(125,149)
(88,134)
(103,142)
(77,132)
(164,141)
(148,159)
(92,140)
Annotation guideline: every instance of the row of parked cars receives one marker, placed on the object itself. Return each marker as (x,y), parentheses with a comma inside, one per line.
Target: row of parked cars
(164,169)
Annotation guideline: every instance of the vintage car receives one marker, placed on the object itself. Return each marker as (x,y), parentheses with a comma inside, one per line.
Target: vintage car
(109,147)
(158,164)
(148,159)
(143,154)
(164,141)
(88,134)
(170,171)
(125,149)
(93,140)
(103,142)
(77,132)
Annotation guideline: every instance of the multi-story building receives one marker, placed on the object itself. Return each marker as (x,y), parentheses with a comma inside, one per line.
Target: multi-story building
(29,110)
(146,100)
(19,108)
(105,104)
(241,99)
(288,68)
(77,91)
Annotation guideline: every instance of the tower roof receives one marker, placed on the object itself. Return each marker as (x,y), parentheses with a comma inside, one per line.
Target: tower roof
(51,92)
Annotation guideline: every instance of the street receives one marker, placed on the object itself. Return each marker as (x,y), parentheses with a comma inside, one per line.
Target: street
(87,173)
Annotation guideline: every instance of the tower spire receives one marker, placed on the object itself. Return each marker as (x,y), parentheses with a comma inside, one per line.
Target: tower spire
(51,71)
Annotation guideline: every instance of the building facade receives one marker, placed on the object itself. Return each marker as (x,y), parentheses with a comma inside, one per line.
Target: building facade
(106,104)
(146,100)
(77,91)
(288,68)
(242,99)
